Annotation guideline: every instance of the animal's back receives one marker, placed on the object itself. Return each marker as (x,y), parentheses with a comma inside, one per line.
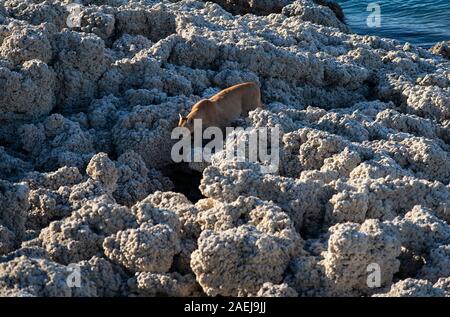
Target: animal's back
(248,87)
(247,95)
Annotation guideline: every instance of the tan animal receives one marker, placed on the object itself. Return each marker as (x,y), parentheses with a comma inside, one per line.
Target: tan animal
(225,107)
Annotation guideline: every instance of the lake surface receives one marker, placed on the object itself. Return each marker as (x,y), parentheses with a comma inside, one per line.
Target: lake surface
(421,22)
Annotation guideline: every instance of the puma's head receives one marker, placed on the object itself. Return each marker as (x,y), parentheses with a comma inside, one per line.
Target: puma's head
(186,122)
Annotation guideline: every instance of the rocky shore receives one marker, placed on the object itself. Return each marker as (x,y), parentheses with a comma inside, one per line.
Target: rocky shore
(89,193)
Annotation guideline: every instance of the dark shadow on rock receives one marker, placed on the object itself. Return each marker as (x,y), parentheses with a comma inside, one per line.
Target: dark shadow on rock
(185,180)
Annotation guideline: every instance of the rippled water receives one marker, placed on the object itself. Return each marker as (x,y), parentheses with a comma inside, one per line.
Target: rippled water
(423,22)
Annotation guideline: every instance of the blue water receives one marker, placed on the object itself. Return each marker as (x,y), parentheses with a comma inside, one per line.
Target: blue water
(422,22)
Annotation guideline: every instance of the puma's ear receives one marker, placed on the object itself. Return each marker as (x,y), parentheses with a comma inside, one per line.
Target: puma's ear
(181,117)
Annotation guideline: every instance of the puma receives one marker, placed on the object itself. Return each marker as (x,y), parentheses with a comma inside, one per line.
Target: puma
(225,107)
